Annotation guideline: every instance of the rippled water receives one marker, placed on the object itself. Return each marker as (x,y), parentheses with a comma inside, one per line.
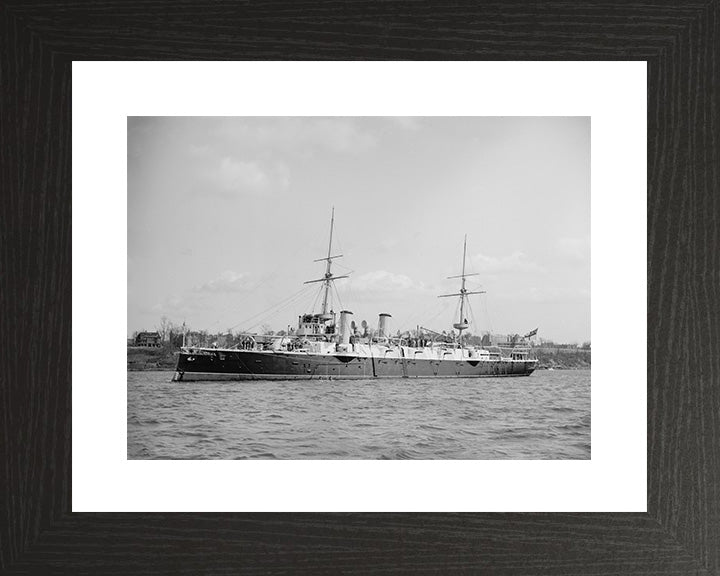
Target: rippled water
(543,416)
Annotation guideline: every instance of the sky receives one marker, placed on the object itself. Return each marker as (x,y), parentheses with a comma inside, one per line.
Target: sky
(227,215)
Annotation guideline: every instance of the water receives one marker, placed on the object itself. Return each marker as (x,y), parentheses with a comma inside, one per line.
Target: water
(544,416)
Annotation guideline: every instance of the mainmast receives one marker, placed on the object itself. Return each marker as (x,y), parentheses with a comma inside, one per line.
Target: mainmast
(462,323)
(328,278)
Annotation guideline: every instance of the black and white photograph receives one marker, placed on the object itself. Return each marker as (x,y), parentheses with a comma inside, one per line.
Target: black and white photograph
(358,288)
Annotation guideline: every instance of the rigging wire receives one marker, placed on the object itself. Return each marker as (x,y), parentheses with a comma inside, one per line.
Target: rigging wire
(443,305)
(317,297)
(337,294)
(271,314)
(274,313)
(281,305)
(475,324)
(344,270)
(263,281)
(487,313)
(356,298)
(267,310)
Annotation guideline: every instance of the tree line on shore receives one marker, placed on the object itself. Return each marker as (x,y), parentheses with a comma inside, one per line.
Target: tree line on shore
(173,335)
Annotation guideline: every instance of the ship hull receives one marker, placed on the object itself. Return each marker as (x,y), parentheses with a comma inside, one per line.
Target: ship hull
(264,365)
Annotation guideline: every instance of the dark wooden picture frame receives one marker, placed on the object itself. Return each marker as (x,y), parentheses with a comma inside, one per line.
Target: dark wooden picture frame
(680,533)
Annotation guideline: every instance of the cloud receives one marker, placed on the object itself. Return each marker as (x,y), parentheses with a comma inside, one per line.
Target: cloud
(382,281)
(228,176)
(574,249)
(175,306)
(515,262)
(338,134)
(241,176)
(228,281)
(410,123)
(300,135)
(251,156)
(198,151)
(543,293)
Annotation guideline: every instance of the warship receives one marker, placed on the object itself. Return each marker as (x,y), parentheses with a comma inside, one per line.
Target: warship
(328,345)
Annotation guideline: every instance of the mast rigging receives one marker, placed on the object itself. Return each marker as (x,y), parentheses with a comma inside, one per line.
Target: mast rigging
(328,278)
(462,324)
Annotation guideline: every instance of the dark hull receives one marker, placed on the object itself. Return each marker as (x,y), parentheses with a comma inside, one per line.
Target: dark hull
(254,365)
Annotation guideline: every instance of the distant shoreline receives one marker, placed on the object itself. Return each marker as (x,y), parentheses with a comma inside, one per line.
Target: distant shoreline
(141,359)
(563,358)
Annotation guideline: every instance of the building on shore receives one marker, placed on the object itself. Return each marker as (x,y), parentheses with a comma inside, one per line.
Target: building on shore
(148,339)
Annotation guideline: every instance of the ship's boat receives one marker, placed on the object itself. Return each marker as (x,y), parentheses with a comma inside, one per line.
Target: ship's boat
(325,346)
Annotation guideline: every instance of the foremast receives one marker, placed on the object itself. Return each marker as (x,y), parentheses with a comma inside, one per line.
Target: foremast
(462,323)
(328,278)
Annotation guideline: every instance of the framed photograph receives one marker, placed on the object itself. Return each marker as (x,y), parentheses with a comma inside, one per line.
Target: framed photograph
(133,187)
